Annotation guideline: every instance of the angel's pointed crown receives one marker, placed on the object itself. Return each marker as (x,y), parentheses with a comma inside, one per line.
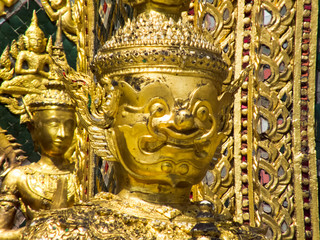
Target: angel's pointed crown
(157,40)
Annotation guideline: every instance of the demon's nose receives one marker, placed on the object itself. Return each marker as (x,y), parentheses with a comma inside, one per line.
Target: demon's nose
(183,120)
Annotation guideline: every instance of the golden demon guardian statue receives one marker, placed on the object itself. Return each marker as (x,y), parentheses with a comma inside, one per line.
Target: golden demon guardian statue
(159,109)
(39,97)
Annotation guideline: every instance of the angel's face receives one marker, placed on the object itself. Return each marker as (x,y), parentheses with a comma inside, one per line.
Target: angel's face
(166,128)
(54,130)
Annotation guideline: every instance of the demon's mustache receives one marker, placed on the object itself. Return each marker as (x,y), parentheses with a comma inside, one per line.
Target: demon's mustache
(193,138)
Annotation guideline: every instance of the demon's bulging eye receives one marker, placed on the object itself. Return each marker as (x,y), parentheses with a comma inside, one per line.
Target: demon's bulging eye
(157,109)
(202,113)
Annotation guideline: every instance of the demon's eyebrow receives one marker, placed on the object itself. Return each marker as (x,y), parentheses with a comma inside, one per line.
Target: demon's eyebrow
(140,100)
(133,109)
(203,92)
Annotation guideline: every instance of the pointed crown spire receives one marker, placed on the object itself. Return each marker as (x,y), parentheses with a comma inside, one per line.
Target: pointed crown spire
(34,29)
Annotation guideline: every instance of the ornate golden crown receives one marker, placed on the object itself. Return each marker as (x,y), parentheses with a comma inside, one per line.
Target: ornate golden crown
(154,42)
(22,101)
(49,98)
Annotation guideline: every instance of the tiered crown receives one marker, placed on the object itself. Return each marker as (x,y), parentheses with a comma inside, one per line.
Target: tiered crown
(50,98)
(154,42)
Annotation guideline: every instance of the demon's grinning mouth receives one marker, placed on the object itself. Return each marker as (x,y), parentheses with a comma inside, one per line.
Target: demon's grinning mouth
(184,132)
(149,144)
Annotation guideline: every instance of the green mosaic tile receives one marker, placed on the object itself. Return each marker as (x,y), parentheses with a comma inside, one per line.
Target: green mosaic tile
(15,22)
(45,24)
(32,4)
(4,40)
(24,14)
(71,52)
(21,30)
(6,28)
